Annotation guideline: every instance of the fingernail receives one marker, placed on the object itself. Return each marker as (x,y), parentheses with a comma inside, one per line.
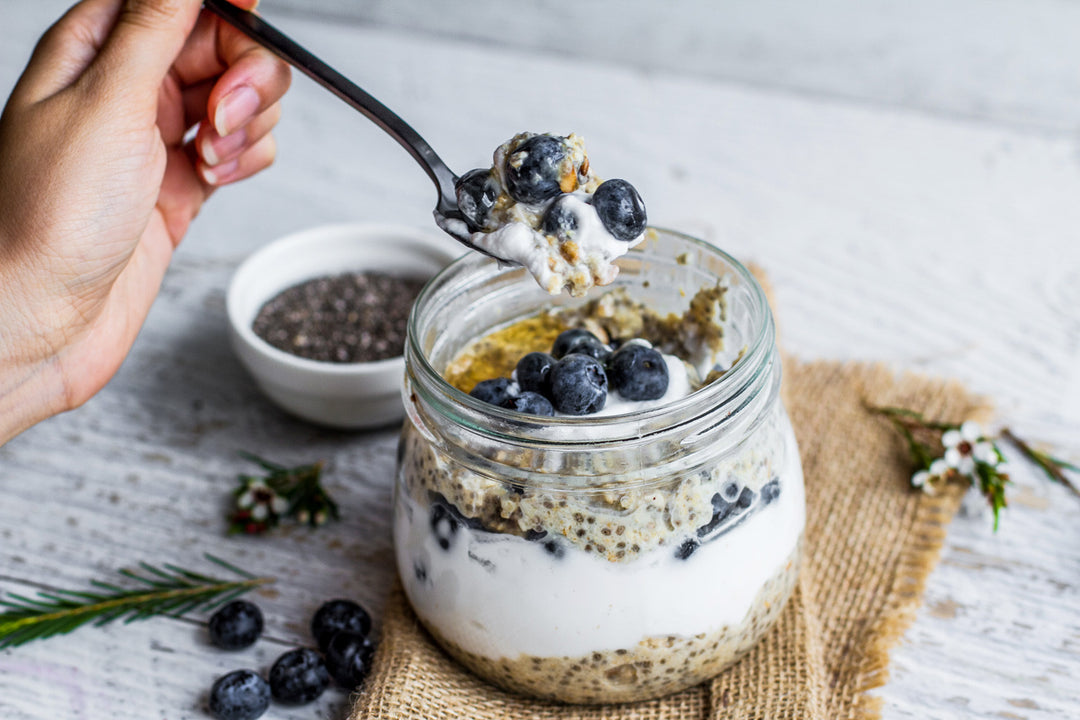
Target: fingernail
(235,109)
(214,149)
(219,174)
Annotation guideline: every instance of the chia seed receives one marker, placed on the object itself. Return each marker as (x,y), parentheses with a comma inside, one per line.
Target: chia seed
(348,318)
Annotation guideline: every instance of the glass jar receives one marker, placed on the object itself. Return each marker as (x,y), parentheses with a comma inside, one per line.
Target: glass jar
(602,559)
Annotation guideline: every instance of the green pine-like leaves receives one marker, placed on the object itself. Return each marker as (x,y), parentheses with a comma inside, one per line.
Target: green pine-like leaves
(165,590)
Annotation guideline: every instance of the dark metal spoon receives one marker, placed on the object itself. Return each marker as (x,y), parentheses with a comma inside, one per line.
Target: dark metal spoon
(291,52)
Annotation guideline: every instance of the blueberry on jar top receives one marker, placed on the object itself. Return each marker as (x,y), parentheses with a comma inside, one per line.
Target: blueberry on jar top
(496,391)
(578,385)
(533,372)
(621,209)
(579,340)
(535,169)
(531,403)
(638,372)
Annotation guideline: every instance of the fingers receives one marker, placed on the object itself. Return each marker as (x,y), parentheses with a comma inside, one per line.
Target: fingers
(252,160)
(215,149)
(144,44)
(66,49)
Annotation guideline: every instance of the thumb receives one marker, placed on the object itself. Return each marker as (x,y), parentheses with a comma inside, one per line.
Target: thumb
(145,42)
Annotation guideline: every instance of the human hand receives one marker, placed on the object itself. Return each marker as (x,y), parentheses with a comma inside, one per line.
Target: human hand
(97,187)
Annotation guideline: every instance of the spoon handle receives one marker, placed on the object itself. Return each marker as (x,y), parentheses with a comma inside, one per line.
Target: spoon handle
(291,52)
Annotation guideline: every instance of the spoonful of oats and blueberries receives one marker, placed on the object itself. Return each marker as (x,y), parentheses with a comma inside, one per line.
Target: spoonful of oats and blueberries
(539,205)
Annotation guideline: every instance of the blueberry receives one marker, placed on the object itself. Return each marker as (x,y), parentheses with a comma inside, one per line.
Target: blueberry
(554,549)
(493,392)
(730,490)
(746,499)
(534,169)
(336,616)
(348,658)
(240,695)
(578,385)
(236,625)
(443,525)
(638,373)
(686,549)
(531,403)
(721,510)
(560,220)
(476,193)
(579,340)
(770,491)
(620,208)
(533,372)
(298,677)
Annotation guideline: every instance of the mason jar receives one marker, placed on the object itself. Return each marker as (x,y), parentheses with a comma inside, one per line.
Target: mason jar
(598,559)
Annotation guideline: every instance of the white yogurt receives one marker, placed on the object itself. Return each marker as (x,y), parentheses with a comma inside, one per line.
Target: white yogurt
(500,596)
(592,263)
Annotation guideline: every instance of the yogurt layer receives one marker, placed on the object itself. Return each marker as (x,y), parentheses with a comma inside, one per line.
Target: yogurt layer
(500,596)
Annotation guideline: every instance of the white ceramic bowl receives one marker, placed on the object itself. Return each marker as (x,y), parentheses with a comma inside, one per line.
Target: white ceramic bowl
(341,395)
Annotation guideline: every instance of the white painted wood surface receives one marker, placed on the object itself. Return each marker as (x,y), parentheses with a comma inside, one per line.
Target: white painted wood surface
(938,244)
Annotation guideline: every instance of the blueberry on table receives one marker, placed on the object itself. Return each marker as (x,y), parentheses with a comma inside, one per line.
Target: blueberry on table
(579,340)
(621,209)
(240,695)
(337,616)
(534,170)
(533,372)
(493,392)
(236,625)
(532,403)
(560,220)
(578,385)
(348,658)
(476,193)
(638,373)
(298,677)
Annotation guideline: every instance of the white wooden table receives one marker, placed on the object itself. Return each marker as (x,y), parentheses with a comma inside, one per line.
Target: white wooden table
(946,246)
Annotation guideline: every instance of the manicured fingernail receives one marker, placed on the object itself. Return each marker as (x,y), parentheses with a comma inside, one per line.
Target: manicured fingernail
(235,109)
(216,148)
(219,174)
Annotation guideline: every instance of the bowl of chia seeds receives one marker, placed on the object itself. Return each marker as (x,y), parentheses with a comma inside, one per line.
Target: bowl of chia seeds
(318,318)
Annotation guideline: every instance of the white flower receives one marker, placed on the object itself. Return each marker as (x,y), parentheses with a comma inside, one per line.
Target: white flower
(939,467)
(920,479)
(259,512)
(279,505)
(964,446)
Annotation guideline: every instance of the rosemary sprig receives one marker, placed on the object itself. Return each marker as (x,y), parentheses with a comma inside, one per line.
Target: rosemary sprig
(262,501)
(167,590)
(1052,466)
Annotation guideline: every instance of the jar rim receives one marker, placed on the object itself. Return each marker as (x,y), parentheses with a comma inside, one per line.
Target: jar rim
(725,391)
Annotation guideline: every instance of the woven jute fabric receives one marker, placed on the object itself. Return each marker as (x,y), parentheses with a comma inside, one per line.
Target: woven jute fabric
(870,541)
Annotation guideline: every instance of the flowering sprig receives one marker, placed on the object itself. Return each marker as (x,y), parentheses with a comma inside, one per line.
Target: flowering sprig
(1053,467)
(262,501)
(946,452)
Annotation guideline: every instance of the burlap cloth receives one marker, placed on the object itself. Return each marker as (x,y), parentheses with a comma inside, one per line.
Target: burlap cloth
(870,544)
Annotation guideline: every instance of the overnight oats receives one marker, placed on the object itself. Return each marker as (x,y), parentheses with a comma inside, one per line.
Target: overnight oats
(616,510)
(541,205)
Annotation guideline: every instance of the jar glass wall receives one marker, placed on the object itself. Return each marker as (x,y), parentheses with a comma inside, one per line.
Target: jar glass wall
(599,559)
